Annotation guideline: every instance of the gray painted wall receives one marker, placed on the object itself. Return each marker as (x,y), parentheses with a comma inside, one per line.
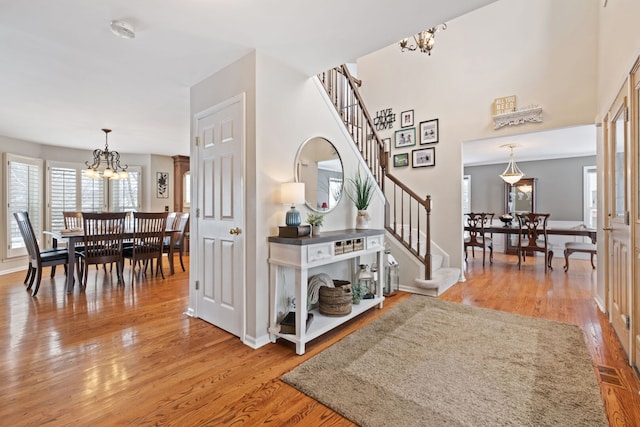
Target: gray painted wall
(558,188)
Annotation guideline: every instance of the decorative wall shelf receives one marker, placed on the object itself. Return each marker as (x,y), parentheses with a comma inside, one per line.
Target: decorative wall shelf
(527,114)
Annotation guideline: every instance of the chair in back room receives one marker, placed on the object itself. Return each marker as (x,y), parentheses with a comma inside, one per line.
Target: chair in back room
(533,237)
(476,224)
(102,243)
(148,238)
(37,258)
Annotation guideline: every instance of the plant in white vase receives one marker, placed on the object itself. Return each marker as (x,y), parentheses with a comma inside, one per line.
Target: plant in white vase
(360,192)
(316,220)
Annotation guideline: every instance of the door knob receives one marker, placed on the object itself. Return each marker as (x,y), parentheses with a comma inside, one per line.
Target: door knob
(235,231)
(607,228)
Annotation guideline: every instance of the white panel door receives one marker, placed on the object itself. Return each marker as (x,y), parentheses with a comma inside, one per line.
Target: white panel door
(220,198)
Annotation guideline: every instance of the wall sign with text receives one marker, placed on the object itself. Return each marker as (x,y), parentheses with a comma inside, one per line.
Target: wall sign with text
(384,119)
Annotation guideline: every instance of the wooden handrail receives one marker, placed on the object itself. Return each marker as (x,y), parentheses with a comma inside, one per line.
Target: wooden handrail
(342,89)
(343,93)
(404,230)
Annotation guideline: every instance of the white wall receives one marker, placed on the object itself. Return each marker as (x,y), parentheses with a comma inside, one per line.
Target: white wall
(542,52)
(289,110)
(618,48)
(159,164)
(284,109)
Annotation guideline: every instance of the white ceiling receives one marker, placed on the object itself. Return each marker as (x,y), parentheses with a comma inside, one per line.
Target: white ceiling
(64,75)
(575,141)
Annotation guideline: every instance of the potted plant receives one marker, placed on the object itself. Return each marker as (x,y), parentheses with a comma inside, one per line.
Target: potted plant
(315,219)
(356,293)
(361,191)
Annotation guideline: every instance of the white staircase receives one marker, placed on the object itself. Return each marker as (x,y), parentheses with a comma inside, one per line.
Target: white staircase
(412,271)
(402,204)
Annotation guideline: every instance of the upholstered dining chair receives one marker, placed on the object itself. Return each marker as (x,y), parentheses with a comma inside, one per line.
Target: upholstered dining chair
(533,237)
(102,242)
(179,228)
(477,238)
(37,258)
(148,240)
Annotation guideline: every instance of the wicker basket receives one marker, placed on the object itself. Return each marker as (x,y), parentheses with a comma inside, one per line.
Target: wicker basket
(335,301)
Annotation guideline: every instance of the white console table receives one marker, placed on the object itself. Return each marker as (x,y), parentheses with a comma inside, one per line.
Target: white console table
(302,253)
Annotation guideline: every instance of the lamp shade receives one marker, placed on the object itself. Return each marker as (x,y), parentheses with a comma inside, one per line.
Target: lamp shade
(512,173)
(292,193)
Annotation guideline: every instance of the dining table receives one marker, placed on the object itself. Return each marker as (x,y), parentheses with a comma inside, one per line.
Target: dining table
(591,233)
(509,229)
(75,236)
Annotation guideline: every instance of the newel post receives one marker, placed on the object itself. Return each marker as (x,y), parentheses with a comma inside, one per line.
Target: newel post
(427,254)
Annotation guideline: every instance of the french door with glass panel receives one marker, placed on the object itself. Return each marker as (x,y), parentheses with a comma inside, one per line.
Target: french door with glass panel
(619,264)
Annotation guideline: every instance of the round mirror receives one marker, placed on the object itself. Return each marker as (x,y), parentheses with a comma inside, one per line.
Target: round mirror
(319,166)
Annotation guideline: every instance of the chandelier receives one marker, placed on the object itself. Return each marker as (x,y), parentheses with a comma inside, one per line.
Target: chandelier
(423,41)
(106,164)
(512,173)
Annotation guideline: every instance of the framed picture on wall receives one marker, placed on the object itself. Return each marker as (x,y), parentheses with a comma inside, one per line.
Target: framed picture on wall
(429,132)
(386,142)
(423,157)
(406,119)
(400,160)
(405,138)
(162,185)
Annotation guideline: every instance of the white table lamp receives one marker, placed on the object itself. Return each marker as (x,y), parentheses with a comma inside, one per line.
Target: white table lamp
(292,193)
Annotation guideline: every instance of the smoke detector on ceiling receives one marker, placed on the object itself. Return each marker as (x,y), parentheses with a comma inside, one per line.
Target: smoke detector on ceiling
(122,29)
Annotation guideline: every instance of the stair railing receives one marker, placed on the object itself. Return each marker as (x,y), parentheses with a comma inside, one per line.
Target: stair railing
(341,87)
(404,210)
(406,207)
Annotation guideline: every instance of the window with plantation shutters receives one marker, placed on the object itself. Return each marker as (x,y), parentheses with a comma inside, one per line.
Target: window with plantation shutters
(125,193)
(24,193)
(69,190)
(92,199)
(63,194)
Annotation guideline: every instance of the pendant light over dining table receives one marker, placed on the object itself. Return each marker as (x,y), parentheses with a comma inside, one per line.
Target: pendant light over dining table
(106,164)
(512,173)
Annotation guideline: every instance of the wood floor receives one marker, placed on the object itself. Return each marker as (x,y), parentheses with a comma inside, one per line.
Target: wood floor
(128,355)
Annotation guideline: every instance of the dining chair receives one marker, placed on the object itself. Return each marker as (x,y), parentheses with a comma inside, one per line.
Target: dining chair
(178,235)
(477,238)
(72,220)
(102,242)
(171,220)
(148,240)
(37,258)
(533,237)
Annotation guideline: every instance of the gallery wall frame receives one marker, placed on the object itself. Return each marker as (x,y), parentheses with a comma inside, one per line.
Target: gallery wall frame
(405,138)
(429,132)
(406,119)
(423,157)
(401,160)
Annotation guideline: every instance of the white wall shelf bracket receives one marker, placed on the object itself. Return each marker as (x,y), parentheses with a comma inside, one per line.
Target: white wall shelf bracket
(532,114)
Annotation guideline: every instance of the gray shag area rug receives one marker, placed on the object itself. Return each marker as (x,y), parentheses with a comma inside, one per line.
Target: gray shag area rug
(428,362)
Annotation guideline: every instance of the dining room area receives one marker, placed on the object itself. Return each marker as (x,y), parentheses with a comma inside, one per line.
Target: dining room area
(115,218)
(532,195)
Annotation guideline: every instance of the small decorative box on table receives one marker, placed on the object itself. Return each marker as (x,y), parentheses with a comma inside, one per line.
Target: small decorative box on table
(294,230)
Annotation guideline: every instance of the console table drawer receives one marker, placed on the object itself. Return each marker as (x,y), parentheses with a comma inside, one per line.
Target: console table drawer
(319,252)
